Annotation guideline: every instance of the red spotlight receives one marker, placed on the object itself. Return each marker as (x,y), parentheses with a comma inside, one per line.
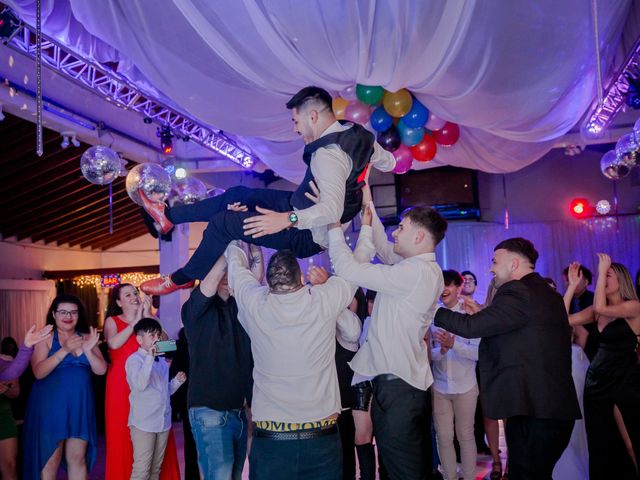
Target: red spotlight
(580,208)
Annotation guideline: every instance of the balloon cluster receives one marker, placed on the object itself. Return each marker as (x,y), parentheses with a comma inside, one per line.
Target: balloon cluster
(618,163)
(404,126)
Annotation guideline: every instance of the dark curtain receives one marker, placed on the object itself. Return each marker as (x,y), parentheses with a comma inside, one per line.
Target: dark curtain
(87,294)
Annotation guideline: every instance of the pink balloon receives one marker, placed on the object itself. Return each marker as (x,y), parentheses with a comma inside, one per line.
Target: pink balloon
(404,159)
(349,93)
(357,112)
(435,123)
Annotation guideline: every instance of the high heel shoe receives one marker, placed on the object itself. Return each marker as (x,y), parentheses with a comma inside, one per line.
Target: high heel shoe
(496,471)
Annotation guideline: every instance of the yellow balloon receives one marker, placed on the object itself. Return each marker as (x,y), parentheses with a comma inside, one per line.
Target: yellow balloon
(339,106)
(397,104)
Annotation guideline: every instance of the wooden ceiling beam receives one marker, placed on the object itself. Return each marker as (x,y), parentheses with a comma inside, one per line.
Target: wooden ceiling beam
(115,240)
(120,221)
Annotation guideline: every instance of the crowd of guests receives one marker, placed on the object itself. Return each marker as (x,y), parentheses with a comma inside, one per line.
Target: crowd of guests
(306,359)
(308,377)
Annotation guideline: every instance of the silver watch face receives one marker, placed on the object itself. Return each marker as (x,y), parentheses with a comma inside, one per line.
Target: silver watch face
(293,218)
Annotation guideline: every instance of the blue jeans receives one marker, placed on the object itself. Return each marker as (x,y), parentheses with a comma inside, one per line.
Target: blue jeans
(221,441)
(313,459)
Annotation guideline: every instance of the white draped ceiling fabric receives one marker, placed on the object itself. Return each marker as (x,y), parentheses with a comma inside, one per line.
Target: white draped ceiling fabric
(514,74)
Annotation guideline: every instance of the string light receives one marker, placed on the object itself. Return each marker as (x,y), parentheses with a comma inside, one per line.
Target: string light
(134,278)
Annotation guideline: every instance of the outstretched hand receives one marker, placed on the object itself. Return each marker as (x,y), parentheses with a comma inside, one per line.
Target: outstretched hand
(604,263)
(237,207)
(574,274)
(32,337)
(90,340)
(268,223)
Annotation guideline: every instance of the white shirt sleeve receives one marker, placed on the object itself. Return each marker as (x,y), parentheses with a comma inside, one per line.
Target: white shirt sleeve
(246,289)
(466,347)
(384,248)
(138,371)
(399,280)
(349,326)
(331,168)
(382,159)
(365,250)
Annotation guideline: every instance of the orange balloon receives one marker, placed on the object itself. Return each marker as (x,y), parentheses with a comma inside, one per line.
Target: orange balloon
(397,104)
(339,106)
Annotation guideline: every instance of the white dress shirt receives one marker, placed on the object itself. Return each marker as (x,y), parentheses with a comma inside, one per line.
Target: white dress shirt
(293,343)
(357,378)
(331,167)
(404,308)
(148,380)
(455,370)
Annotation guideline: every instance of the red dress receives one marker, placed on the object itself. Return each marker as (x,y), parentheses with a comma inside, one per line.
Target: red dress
(119,449)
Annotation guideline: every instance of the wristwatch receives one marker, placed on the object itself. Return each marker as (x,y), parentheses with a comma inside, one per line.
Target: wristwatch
(293,218)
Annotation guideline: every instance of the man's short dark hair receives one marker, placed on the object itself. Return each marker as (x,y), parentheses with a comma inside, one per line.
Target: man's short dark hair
(147,325)
(586,273)
(307,94)
(521,246)
(283,271)
(468,272)
(452,276)
(428,219)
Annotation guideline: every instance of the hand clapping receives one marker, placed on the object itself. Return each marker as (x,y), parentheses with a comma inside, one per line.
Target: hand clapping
(91,339)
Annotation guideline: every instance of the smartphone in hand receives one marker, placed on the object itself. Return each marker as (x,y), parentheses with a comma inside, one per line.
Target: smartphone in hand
(164,346)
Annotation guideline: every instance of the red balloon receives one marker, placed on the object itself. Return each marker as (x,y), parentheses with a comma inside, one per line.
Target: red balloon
(447,135)
(425,150)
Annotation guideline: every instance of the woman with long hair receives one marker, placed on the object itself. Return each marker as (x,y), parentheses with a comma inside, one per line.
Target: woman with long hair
(124,310)
(60,423)
(613,378)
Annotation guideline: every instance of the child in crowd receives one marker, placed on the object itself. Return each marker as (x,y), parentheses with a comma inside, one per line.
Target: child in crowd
(150,414)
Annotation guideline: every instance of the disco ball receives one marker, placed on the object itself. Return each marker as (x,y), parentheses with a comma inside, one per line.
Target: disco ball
(100,165)
(187,191)
(612,167)
(627,150)
(603,207)
(154,181)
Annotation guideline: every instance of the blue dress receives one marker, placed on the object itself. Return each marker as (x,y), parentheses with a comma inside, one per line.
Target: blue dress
(60,406)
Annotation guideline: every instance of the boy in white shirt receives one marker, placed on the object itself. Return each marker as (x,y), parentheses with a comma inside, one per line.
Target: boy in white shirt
(150,413)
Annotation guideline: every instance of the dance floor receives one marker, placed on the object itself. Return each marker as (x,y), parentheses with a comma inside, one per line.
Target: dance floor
(483,467)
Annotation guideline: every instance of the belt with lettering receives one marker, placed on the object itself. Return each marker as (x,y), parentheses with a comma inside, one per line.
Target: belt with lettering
(273,426)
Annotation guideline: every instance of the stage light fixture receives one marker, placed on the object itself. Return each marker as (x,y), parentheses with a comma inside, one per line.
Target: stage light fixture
(181,173)
(166,139)
(69,138)
(580,208)
(65,142)
(633,94)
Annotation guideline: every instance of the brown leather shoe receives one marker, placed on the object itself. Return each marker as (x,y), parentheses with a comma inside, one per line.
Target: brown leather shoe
(163,285)
(156,210)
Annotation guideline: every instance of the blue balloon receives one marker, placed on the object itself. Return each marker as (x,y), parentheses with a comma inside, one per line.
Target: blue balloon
(380,119)
(410,136)
(417,116)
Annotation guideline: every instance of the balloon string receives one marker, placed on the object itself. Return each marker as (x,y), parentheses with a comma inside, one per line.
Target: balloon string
(111,209)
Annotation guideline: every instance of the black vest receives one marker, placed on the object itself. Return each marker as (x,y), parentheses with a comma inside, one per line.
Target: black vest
(357,143)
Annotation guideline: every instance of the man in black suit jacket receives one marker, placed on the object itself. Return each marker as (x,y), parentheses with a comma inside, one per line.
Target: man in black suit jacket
(524,361)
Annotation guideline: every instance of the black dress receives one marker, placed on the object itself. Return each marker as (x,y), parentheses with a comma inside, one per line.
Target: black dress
(613,378)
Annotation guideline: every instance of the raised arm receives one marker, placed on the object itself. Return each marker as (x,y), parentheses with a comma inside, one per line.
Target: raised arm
(93,353)
(582,317)
(574,276)
(629,309)
(139,370)
(397,279)
(246,289)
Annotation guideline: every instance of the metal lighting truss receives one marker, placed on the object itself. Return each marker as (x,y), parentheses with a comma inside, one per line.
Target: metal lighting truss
(106,82)
(600,116)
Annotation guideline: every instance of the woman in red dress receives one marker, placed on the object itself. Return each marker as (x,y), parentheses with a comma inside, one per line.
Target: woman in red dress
(124,310)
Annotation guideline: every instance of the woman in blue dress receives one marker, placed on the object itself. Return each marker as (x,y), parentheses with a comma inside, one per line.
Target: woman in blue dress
(60,423)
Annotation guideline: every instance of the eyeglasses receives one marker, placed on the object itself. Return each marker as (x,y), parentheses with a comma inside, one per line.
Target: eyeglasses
(64,313)
(469,280)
